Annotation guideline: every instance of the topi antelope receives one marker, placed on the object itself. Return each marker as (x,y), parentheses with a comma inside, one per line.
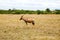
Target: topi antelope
(27,20)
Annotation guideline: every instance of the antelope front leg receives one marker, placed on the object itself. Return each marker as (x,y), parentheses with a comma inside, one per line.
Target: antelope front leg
(25,22)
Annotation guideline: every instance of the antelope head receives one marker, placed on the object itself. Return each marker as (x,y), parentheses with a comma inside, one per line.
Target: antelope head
(21,17)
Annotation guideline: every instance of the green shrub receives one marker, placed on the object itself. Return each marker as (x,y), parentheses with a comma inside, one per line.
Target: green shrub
(57,11)
(15,11)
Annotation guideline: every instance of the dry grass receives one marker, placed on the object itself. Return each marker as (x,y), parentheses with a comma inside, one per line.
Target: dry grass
(47,27)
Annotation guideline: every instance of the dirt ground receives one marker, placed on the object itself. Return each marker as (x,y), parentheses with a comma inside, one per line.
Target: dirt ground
(47,27)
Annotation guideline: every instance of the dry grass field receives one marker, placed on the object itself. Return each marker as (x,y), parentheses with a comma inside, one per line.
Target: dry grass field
(47,27)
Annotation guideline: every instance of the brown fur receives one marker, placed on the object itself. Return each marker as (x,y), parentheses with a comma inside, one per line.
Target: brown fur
(27,20)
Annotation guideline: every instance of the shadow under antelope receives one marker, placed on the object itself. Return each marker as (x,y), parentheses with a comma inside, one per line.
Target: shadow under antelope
(27,20)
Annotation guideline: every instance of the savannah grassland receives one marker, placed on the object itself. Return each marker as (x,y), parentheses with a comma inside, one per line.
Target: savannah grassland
(47,27)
